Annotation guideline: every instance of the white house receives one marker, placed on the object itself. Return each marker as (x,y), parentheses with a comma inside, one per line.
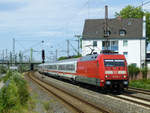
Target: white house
(126,36)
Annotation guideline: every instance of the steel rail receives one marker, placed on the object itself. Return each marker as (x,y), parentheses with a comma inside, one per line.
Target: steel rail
(129,100)
(39,82)
(137,90)
(133,96)
(140,89)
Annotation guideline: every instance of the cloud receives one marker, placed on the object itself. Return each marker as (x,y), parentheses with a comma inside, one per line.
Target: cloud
(55,20)
(8,5)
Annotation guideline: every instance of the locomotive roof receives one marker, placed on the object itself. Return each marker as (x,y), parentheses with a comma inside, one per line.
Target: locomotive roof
(89,57)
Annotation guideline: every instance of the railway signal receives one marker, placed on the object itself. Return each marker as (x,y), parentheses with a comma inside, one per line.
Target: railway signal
(43,56)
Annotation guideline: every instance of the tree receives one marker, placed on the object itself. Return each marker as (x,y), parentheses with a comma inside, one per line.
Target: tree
(135,12)
(130,12)
(148,25)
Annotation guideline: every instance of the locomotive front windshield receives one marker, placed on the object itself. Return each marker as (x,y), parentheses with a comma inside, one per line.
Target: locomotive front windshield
(113,63)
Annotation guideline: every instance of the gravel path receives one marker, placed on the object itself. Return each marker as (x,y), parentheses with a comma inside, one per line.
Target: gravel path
(42,98)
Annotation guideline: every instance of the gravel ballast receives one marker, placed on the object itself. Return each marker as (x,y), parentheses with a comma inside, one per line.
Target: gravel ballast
(104,101)
(42,97)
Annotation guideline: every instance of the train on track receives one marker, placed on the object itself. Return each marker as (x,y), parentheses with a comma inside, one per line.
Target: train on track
(106,70)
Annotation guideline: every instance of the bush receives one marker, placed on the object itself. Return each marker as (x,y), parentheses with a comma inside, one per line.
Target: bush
(3,69)
(145,84)
(133,70)
(9,97)
(144,72)
(7,76)
(65,57)
(22,85)
(14,95)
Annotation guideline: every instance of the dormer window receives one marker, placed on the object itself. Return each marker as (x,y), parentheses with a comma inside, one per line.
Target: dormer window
(122,32)
(107,33)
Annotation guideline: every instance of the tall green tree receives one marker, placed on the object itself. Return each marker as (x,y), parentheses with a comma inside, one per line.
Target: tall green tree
(135,12)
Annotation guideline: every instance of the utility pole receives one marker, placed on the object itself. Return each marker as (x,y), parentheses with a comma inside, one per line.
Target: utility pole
(78,36)
(11,58)
(3,56)
(31,55)
(68,48)
(14,50)
(56,54)
(6,55)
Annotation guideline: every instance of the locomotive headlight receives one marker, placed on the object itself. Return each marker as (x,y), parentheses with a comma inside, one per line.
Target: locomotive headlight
(124,76)
(107,76)
(125,82)
(108,82)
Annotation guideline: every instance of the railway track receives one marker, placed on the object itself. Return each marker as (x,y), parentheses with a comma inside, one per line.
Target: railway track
(77,105)
(133,100)
(138,90)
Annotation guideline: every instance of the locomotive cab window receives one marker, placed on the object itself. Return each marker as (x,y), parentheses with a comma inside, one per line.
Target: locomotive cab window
(114,63)
(108,63)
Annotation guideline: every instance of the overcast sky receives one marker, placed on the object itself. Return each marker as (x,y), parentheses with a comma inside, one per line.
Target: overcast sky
(54,21)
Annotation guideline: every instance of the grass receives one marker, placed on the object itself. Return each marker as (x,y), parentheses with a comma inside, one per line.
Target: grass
(145,84)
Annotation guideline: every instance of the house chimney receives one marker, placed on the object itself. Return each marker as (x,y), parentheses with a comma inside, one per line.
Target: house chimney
(106,22)
(106,12)
(144,26)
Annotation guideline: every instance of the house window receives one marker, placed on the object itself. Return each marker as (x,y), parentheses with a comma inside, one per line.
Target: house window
(105,44)
(125,54)
(95,43)
(122,32)
(112,45)
(125,43)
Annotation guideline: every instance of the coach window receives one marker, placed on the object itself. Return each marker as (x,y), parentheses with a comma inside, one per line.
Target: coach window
(60,67)
(95,43)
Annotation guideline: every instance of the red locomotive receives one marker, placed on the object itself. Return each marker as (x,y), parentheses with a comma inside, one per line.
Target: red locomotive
(106,70)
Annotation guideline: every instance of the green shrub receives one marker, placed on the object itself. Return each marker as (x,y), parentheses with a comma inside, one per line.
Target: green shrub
(3,69)
(144,72)
(145,84)
(47,105)
(9,97)
(7,76)
(14,95)
(22,85)
(65,57)
(133,70)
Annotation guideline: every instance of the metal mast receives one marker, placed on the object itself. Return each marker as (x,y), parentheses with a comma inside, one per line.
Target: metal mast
(68,48)
(14,50)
